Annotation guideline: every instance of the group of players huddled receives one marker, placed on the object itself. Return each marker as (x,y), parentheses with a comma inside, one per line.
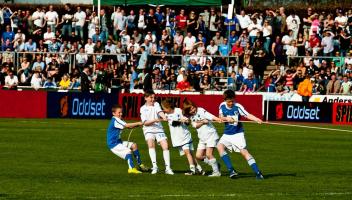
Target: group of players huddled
(152,114)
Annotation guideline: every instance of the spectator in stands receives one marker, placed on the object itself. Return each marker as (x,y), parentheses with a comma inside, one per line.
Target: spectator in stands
(51,18)
(346,86)
(49,84)
(11,80)
(8,35)
(30,46)
(333,86)
(249,84)
(184,85)
(36,80)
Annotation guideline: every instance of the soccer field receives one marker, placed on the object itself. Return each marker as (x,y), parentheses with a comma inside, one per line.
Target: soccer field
(68,159)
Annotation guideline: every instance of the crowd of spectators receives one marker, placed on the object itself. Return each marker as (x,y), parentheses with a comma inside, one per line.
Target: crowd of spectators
(188,50)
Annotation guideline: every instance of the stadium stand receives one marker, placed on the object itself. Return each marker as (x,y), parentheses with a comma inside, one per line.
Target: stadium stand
(189,50)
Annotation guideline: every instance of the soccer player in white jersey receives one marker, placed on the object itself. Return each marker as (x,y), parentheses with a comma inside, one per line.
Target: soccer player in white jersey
(151,115)
(180,135)
(207,134)
(123,149)
(233,137)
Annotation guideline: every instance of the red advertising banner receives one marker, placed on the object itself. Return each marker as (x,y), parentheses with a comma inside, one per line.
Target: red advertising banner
(342,113)
(22,104)
(131,103)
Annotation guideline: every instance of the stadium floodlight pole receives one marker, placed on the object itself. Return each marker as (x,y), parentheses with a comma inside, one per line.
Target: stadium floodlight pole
(98,14)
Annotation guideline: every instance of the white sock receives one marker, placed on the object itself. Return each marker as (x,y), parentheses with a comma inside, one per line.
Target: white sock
(166,154)
(199,168)
(214,165)
(192,168)
(152,155)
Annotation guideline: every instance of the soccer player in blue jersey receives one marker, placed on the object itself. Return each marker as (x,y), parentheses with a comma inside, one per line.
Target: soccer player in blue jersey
(123,149)
(233,137)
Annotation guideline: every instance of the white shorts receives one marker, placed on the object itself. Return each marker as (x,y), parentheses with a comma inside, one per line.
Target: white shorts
(234,142)
(185,147)
(209,142)
(122,149)
(155,136)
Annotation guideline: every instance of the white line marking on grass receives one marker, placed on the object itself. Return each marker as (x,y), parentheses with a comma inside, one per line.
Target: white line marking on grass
(302,126)
(241,195)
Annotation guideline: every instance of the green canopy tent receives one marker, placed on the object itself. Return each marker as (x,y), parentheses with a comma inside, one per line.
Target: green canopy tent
(159,2)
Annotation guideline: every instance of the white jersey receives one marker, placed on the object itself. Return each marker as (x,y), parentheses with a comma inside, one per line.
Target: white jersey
(207,130)
(180,135)
(151,113)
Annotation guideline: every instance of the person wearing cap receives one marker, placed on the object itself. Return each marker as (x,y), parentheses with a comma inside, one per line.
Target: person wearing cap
(341,20)
(305,89)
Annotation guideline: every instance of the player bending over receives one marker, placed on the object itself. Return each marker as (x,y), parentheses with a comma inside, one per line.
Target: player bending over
(233,137)
(180,135)
(208,137)
(123,148)
(153,130)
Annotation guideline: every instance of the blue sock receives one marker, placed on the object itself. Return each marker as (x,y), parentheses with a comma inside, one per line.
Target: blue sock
(137,156)
(253,164)
(227,161)
(129,160)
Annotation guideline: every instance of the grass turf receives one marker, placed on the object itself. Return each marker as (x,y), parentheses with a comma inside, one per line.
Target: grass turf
(68,159)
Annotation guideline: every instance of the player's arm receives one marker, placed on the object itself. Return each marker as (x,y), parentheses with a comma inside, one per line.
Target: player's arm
(254,118)
(247,115)
(133,125)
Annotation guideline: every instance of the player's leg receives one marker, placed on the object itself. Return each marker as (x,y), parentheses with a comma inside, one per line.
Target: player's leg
(225,157)
(191,162)
(152,153)
(251,162)
(125,153)
(166,155)
(137,156)
(212,161)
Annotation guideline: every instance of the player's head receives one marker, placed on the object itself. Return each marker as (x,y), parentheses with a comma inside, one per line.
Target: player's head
(168,105)
(229,97)
(117,111)
(189,108)
(149,96)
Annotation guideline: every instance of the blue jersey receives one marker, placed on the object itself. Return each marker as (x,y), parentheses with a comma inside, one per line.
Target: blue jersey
(235,112)
(113,135)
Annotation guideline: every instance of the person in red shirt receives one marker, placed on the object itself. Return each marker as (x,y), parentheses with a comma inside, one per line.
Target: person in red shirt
(183,85)
(314,41)
(181,21)
(237,50)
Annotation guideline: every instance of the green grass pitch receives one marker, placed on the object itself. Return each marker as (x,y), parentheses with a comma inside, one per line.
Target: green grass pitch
(68,159)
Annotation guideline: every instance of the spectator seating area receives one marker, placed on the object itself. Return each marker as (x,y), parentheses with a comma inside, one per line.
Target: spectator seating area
(193,49)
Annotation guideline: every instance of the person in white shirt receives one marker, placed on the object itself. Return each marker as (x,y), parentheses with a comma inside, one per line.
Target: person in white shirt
(292,49)
(293,22)
(36,81)
(212,49)
(341,20)
(52,18)
(89,47)
(180,135)
(81,59)
(188,42)
(38,18)
(11,80)
(151,115)
(48,36)
(207,134)
(134,45)
(328,43)
(244,20)
(79,19)
(253,30)
(346,86)
(287,39)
